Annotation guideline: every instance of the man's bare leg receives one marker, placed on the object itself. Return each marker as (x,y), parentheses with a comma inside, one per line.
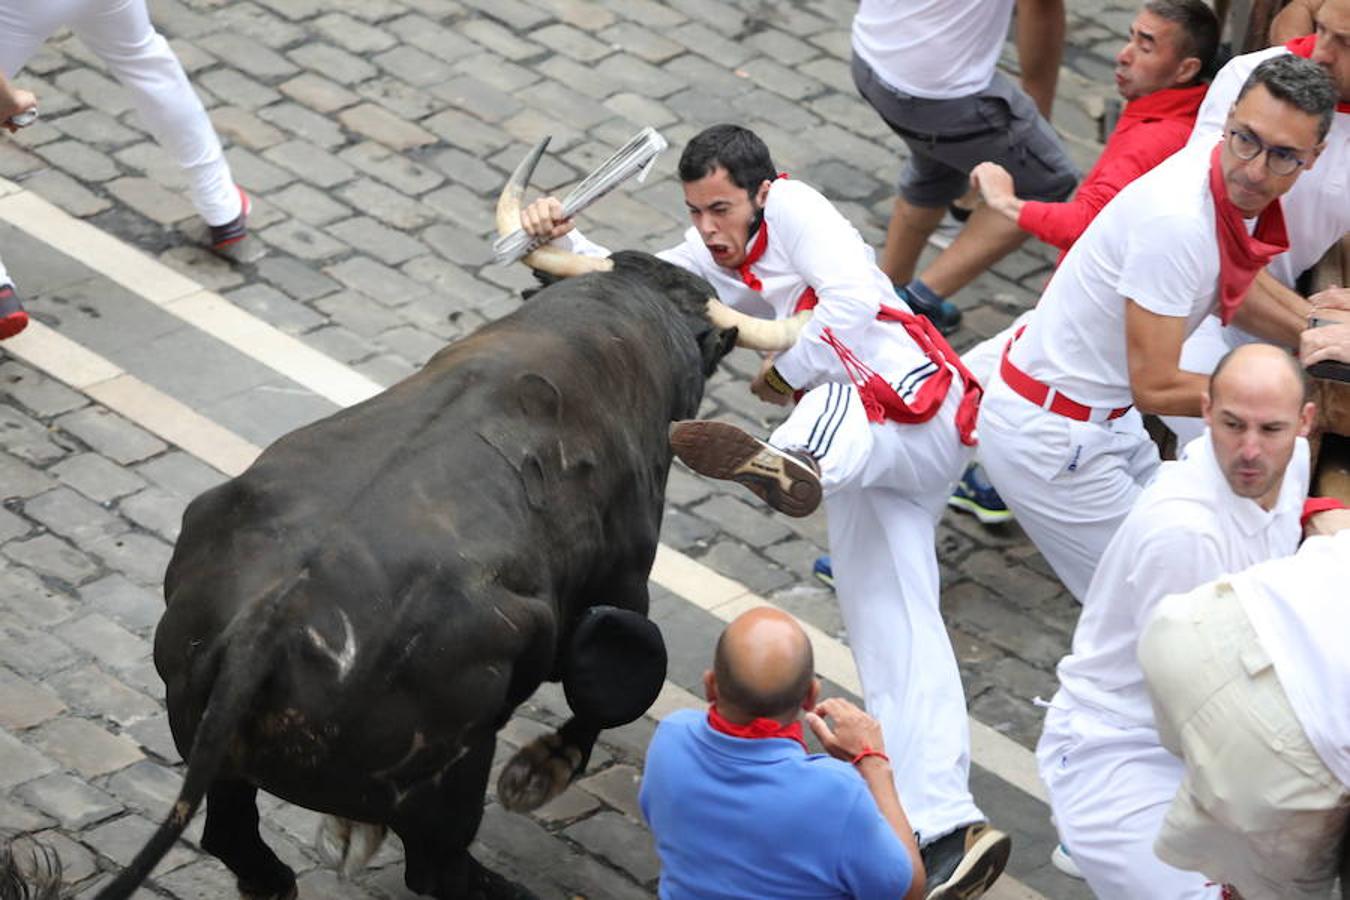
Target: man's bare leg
(986,238)
(906,236)
(1040,49)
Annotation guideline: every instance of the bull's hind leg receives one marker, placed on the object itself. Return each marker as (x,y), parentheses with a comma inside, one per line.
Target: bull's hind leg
(231,835)
(436,846)
(543,768)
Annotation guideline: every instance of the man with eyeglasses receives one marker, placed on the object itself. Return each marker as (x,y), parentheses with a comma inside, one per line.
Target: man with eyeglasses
(1316,209)
(1060,436)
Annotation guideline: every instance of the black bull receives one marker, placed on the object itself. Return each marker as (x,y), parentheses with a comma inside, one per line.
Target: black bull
(350,621)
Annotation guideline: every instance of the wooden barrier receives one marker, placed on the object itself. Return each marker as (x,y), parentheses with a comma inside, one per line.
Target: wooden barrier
(1331,392)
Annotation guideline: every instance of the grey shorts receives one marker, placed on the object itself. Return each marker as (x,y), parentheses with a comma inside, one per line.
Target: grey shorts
(948,138)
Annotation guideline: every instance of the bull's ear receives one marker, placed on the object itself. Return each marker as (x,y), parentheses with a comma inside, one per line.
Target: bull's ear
(715,344)
(616,662)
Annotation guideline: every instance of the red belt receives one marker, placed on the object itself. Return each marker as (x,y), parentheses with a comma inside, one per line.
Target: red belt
(1046,397)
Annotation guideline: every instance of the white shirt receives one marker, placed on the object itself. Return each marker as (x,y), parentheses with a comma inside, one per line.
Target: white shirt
(1300,609)
(936,49)
(812,245)
(1155,244)
(1317,207)
(1187,528)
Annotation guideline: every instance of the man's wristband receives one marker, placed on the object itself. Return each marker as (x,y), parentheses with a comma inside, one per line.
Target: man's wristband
(775,381)
(866,752)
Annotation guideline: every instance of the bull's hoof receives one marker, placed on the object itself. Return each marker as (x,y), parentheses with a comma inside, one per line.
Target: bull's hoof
(347,845)
(540,771)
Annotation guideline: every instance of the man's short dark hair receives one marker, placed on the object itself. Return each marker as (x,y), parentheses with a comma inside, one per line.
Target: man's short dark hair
(1199,35)
(1301,83)
(761,704)
(738,150)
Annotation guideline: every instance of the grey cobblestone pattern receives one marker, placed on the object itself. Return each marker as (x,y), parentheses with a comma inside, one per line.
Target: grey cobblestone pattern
(373,136)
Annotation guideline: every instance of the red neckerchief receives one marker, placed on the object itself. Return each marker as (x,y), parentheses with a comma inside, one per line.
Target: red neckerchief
(757,248)
(1314,505)
(1182,104)
(1303,48)
(1241,255)
(757,729)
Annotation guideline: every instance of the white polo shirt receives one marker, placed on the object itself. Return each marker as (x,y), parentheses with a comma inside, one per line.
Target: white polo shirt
(1154,243)
(1186,529)
(1300,610)
(1317,207)
(936,49)
(810,244)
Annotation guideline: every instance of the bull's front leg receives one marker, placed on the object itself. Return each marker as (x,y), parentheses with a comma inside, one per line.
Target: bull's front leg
(614,666)
(543,768)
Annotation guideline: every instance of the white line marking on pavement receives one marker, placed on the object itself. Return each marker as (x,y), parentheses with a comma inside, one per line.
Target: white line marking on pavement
(183,297)
(166,417)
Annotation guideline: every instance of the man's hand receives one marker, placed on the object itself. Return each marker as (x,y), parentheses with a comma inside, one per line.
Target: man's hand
(12,102)
(853,732)
(762,387)
(544,218)
(1331,298)
(1329,522)
(996,187)
(1325,342)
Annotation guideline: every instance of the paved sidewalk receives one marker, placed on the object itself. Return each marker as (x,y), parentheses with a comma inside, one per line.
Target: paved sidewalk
(374,136)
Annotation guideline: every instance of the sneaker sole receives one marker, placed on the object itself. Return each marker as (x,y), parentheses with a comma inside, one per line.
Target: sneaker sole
(12,324)
(979,869)
(722,451)
(1064,863)
(986,516)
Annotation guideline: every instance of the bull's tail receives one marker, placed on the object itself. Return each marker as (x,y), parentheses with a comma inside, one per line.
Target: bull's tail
(247,650)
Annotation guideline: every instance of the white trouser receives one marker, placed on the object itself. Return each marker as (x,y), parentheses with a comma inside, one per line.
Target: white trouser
(1201,353)
(886,486)
(1258,809)
(4,274)
(1110,788)
(1069,483)
(119,32)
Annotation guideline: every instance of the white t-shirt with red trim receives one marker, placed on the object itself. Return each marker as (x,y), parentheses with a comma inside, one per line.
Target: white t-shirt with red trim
(1154,243)
(936,49)
(810,244)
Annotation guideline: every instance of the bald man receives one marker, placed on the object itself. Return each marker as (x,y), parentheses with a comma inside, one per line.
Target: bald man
(740,809)
(1232,500)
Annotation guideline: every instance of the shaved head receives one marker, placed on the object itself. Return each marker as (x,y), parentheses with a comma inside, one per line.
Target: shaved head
(1258,363)
(763,666)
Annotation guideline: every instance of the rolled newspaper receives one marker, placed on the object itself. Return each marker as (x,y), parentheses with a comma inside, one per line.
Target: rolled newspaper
(633,158)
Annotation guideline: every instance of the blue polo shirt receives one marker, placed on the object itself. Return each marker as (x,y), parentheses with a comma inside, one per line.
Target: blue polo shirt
(735,818)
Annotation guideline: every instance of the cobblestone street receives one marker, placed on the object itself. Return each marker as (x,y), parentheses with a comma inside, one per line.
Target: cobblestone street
(373,136)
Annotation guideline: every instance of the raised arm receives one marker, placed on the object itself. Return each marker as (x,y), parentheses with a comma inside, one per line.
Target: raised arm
(856,738)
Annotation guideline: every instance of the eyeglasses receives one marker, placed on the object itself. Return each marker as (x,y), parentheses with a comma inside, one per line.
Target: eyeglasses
(1279,160)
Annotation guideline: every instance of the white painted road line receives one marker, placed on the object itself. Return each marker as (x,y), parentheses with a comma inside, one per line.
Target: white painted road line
(176,423)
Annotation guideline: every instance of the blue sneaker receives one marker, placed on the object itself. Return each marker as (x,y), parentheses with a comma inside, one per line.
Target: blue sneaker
(823,570)
(943,314)
(975,495)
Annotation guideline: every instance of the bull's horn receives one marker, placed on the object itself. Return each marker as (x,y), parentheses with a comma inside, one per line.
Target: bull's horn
(755,333)
(548,258)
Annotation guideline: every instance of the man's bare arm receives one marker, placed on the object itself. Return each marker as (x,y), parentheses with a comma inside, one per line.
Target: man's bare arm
(1153,347)
(1273,311)
(1295,20)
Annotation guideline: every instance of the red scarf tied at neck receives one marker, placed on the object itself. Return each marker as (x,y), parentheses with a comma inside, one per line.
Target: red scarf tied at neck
(756,729)
(1241,255)
(1303,48)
